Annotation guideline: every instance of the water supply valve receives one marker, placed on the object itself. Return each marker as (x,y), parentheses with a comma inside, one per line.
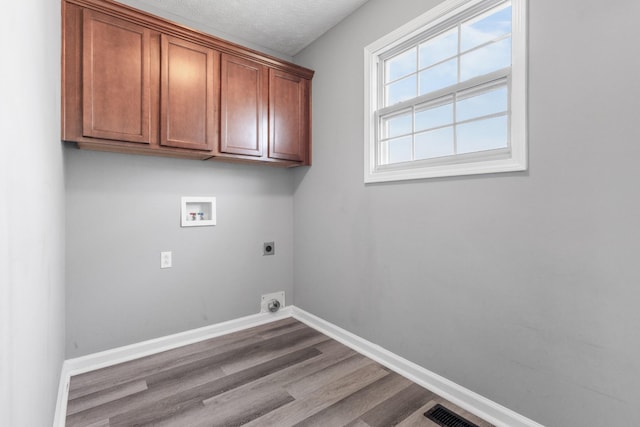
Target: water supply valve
(273,305)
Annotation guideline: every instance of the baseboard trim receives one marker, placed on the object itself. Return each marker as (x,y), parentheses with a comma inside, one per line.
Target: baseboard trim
(63,393)
(114,356)
(482,407)
(466,399)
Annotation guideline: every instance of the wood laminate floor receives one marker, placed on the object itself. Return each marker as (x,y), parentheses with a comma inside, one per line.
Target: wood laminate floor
(280,374)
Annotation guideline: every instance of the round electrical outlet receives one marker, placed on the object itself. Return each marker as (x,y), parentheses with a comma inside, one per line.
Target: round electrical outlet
(269,248)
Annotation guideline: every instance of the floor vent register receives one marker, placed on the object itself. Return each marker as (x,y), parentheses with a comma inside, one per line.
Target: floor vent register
(445,418)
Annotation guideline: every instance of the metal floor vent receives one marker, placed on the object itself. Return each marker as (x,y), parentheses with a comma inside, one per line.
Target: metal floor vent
(444,417)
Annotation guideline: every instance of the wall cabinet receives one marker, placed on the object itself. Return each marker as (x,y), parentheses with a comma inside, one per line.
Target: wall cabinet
(116,79)
(189,96)
(289,122)
(136,83)
(244,105)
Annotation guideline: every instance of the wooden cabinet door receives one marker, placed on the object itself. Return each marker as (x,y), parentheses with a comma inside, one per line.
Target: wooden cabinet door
(116,79)
(188,95)
(288,116)
(243,106)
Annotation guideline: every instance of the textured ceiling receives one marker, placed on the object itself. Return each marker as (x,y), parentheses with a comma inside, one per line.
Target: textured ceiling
(283,26)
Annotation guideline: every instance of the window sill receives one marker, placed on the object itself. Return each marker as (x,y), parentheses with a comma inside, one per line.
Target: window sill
(386,174)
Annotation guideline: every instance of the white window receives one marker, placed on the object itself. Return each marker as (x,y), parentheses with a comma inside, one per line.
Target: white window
(446,94)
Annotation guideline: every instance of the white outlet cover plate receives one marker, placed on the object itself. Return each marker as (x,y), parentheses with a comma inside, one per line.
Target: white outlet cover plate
(165,259)
(264,301)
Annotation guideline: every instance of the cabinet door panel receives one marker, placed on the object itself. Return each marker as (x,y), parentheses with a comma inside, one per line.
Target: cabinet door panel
(243,106)
(288,116)
(188,95)
(116,79)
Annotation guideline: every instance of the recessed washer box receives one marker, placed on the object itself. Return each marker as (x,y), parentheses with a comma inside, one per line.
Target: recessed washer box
(198,211)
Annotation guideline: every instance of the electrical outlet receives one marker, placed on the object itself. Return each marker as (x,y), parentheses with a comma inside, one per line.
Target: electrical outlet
(269,248)
(266,298)
(165,259)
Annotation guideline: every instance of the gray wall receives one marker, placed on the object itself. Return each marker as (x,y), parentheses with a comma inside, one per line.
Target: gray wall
(522,287)
(123,210)
(31,214)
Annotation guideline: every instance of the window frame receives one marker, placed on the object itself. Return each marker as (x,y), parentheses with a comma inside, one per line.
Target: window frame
(512,158)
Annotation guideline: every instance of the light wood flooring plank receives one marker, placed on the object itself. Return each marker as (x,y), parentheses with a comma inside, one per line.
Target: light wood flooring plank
(95,399)
(273,348)
(278,374)
(260,402)
(219,409)
(156,410)
(398,407)
(262,405)
(111,376)
(297,411)
(137,400)
(310,383)
(331,354)
(247,355)
(351,407)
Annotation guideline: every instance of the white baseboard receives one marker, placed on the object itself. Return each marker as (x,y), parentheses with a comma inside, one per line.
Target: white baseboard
(114,356)
(63,393)
(466,399)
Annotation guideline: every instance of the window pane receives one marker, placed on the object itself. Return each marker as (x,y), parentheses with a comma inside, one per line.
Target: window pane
(439,48)
(485,60)
(434,117)
(400,150)
(401,90)
(436,143)
(487,103)
(482,135)
(487,28)
(443,75)
(400,65)
(396,125)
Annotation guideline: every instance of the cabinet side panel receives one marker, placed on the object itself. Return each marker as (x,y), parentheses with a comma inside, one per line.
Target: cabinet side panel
(116,79)
(71,72)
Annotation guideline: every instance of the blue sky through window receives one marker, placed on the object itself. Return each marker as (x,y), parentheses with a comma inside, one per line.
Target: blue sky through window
(485,28)
(436,60)
(494,101)
(474,48)
(439,48)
